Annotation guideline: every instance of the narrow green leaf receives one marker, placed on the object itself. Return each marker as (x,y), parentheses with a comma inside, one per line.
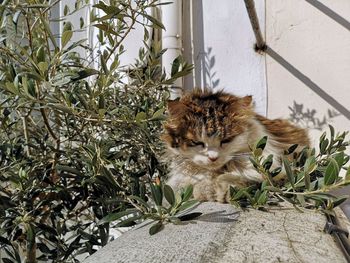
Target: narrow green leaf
(115,216)
(261,143)
(101,102)
(188,204)
(67,27)
(60,107)
(255,164)
(81,22)
(238,195)
(30,236)
(267,163)
(108,9)
(307,180)
(310,164)
(106,28)
(175,66)
(323,146)
(332,172)
(289,172)
(156,228)
(262,198)
(155,22)
(140,200)
(249,197)
(82,74)
(65,10)
(157,194)
(66,36)
(301,200)
(323,136)
(257,194)
(187,193)
(40,54)
(129,221)
(257,152)
(339,200)
(292,148)
(158,115)
(169,194)
(331,128)
(43,66)
(320,196)
(339,158)
(276,171)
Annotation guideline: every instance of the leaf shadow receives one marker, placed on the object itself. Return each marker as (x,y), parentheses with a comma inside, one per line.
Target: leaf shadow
(307,118)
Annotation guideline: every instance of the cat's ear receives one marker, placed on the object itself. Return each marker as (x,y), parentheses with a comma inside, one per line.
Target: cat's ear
(175,107)
(247,101)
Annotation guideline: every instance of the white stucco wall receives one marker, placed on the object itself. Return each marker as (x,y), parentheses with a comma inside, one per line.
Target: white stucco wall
(219,41)
(309,60)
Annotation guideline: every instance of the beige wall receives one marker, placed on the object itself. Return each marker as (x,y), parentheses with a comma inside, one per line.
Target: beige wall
(309,61)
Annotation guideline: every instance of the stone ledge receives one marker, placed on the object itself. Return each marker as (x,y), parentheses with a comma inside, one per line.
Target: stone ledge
(223,234)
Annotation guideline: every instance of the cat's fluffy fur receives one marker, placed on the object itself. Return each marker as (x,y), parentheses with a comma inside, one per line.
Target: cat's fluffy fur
(209,136)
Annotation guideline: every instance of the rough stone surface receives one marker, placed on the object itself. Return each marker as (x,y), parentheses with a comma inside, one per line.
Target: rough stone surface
(224,234)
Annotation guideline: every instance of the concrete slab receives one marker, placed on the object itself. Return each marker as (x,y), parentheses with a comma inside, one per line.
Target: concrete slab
(225,234)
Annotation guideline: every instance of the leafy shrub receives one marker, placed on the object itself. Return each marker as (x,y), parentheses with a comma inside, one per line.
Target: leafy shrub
(75,141)
(310,175)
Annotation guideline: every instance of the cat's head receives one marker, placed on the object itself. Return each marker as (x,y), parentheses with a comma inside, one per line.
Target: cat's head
(208,128)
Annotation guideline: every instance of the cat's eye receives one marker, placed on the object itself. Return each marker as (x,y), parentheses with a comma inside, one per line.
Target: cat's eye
(193,143)
(225,141)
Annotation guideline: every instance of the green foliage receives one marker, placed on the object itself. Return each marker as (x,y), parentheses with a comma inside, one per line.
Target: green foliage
(77,142)
(175,211)
(309,176)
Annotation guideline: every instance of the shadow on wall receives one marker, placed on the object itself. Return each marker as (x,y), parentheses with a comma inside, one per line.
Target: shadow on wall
(209,77)
(202,57)
(308,82)
(330,13)
(307,117)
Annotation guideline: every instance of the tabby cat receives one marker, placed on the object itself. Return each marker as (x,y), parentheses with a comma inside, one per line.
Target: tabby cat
(208,136)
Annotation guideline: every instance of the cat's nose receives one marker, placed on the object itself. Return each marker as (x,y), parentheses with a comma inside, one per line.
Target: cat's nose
(213,159)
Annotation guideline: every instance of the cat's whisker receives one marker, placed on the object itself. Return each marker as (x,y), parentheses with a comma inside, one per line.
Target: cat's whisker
(241,154)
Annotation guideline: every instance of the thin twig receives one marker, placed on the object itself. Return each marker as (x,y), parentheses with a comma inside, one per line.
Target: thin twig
(26,135)
(125,34)
(44,11)
(29,34)
(323,190)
